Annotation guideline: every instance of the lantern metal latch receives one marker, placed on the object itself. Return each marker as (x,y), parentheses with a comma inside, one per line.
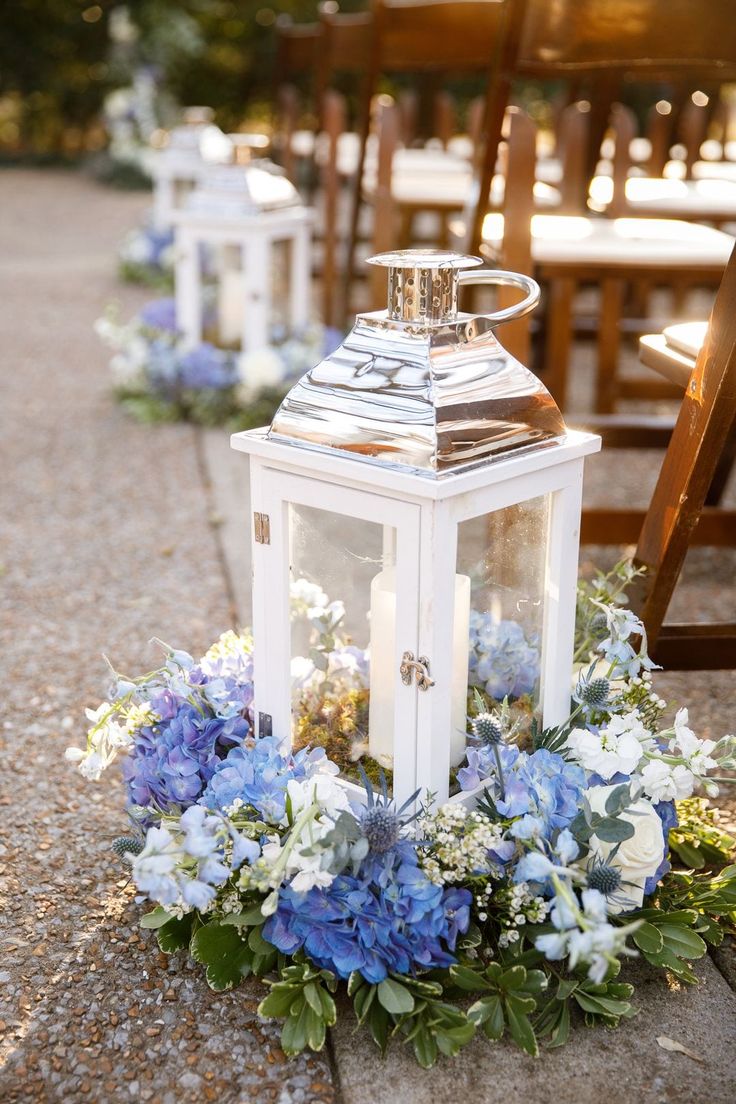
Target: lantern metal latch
(420,667)
(262,527)
(265,724)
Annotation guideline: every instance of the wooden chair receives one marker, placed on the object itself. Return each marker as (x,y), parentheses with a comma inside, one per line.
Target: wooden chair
(294,65)
(569,250)
(677,517)
(446,37)
(603,42)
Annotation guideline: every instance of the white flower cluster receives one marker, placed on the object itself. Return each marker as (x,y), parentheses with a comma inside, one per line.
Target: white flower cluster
(583,934)
(463,843)
(524,907)
(105,739)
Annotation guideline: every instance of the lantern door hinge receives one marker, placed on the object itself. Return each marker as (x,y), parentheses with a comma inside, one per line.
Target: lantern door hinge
(262,526)
(265,724)
(420,668)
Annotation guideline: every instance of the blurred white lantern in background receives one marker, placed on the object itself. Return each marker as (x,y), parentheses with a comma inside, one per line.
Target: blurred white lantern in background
(178,166)
(240,212)
(421,486)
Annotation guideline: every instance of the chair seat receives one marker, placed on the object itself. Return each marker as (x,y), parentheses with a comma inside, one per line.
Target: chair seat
(686,337)
(714,170)
(688,199)
(443,187)
(627,242)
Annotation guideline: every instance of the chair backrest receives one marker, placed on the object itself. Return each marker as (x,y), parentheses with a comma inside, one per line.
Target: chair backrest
(344,49)
(453,36)
(296,50)
(651,38)
(705,420)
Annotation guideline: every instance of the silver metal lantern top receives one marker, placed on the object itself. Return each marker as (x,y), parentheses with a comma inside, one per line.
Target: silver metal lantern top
(234,183)
(186,136)
(421,385)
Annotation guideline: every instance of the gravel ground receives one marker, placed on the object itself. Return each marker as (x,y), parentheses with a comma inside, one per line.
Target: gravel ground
(105,542)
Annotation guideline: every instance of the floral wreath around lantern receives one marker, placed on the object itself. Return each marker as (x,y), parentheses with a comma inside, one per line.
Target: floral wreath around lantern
(157,380)
(146,256)
(511,916)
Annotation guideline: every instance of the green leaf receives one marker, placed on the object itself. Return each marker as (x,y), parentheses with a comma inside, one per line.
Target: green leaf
(355,982)
(294,1032)
(394,997)
(468,979)
(278,1002)
(156,919)
(566,987)
(250,918)
(522,1031)
(363,1000)
(648,938)
(425,1048)
(682,941)
(258,944)
(611,830)
(488,1012)
(561,1031)
(690,855)
(224,954)
(175,934)
(378,1023)
(667,960)
(601,1006)
(513,978)
(315,1029)
(618,799)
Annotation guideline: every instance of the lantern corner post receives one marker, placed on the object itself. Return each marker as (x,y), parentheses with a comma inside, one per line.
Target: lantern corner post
(187,284)
(437,599)
(561,576)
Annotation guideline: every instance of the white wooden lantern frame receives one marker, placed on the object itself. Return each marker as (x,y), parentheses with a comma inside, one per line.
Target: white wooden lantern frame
(425,513)
(172,171)
(255,235)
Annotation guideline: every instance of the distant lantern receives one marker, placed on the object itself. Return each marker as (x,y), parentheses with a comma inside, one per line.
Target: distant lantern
(178,165)
(243,217)
(416,524)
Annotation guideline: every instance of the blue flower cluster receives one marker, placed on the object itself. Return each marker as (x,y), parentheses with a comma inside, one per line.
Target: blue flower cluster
(194,715)
(503,662)
(258,773)
(542,789)
(402,925)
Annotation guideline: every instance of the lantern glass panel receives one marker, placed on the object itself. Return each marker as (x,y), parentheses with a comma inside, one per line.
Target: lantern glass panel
(343,610)
(230,293)
(499,611)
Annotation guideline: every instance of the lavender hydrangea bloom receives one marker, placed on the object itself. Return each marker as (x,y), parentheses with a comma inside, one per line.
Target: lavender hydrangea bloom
(207,368)
(160,314)
(542,785)
(258,773)
(503,662)
(172,761)
(354,924)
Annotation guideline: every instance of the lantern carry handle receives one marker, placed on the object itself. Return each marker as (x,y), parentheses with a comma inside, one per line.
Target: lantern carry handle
(504,279)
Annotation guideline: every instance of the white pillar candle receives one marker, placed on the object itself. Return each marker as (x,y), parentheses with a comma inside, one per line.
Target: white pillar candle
(230,306)
(383,672)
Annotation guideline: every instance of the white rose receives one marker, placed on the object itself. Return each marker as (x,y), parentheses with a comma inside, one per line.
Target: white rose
(638,857)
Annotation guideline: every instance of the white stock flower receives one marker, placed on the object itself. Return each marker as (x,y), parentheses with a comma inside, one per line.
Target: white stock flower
(329,794)
(664,782)
(104,740)
(616,748)
(636,858)
(694,751)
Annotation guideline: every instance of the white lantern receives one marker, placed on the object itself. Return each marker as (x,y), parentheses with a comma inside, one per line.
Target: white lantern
(179,166)
(238,216)
(423,479)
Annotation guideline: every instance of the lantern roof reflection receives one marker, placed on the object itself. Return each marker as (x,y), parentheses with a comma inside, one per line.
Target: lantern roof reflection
(422,385)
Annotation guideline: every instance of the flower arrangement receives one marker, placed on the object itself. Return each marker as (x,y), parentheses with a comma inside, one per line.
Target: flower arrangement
(158,381)
(146,256)
(506,913)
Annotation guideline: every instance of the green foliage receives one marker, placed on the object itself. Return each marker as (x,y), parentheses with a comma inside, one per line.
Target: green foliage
(204,407)
(669,939)
(225,954)
(412,1008)
(303,998)
(510,998)
(175,934)
(697,841)
(710,897)
(605,1003)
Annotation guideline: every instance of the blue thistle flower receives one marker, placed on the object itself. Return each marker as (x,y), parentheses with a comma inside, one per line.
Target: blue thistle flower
(487,729)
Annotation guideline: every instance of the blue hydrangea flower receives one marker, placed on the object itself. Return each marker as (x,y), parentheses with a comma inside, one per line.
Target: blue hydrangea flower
(172,761)
(542,785)
(407,925)
(206,367)
(258,773)
(160,314)
(503,662)
(667,813)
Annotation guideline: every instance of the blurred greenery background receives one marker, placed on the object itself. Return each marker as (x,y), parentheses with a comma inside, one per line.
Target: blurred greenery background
(60,60)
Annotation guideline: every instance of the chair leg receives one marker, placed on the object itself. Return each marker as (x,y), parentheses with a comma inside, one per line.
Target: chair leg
(557,354)
(612,292)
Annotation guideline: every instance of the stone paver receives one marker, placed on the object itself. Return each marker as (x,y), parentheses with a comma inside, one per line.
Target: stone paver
(106,541)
